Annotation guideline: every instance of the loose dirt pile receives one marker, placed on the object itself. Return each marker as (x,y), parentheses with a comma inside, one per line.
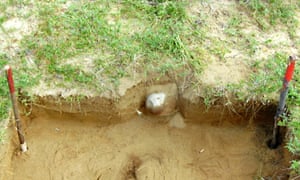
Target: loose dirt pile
(69,146)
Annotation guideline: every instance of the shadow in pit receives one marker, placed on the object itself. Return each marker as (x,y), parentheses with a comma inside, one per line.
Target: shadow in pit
(264,123)
(264,120)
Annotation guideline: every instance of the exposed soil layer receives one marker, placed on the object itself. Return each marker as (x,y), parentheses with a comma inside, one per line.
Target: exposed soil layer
(77,146)
(105,138)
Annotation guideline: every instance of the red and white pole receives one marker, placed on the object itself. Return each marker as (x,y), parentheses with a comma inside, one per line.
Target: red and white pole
(11,86)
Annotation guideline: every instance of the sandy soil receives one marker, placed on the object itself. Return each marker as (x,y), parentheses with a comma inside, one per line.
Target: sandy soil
(68,147)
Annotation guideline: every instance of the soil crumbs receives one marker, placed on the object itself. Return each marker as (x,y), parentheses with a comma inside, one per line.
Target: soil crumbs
(142,148)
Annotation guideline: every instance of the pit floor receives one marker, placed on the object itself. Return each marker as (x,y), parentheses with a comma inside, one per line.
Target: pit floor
(143,148)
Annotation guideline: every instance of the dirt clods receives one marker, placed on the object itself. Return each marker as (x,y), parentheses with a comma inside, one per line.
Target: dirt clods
(132,168)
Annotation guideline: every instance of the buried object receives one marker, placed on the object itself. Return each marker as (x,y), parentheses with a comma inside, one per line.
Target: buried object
(155,103)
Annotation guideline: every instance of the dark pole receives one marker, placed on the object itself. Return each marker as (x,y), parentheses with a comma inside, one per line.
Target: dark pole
(11,86)
(283,94)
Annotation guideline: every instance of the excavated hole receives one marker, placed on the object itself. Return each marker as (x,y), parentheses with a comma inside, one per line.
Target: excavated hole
(130,171)
(193,142)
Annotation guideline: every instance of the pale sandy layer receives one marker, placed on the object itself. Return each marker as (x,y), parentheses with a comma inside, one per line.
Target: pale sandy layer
(142,148)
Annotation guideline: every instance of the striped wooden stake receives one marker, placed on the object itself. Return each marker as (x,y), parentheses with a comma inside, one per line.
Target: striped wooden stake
(11,86)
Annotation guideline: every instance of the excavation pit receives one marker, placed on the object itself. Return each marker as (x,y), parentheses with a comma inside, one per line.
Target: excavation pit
(192,142)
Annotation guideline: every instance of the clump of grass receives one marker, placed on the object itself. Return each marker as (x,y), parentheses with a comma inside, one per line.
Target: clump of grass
(274,12)
(69,72)
(163,36)
(157,40)
(293,144)
(282,11)
(293,123)
(251,43)
(218,48)
(4,95)
(233,25)
(161,10)
(264,82)
(170,34)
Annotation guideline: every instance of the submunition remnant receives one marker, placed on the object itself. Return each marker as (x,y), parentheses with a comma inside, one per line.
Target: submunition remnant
(155,103)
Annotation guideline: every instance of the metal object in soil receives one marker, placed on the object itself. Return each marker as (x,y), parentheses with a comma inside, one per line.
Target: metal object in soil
(155,103)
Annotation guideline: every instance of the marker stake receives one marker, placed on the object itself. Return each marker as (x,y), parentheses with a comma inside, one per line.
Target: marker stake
(11,86)
(283,95)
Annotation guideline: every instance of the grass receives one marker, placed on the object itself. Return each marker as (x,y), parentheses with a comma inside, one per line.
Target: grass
(4,96)
(92,27)
(122,38)
(4,101)
(233,25)
(273,12)
(265,81)
(262,85)
(292,122)
(267,77)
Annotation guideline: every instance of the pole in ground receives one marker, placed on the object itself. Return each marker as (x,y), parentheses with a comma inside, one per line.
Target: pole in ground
(11,86)
(274,142)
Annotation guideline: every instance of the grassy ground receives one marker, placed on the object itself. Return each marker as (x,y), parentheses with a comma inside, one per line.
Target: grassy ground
(74,44)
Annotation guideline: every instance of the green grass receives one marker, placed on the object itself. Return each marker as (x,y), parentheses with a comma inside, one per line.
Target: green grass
(4,95)
(233,25)
(265,81)
(87,28)
(247,42)
(267,77)
(270,13)
(293,122)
